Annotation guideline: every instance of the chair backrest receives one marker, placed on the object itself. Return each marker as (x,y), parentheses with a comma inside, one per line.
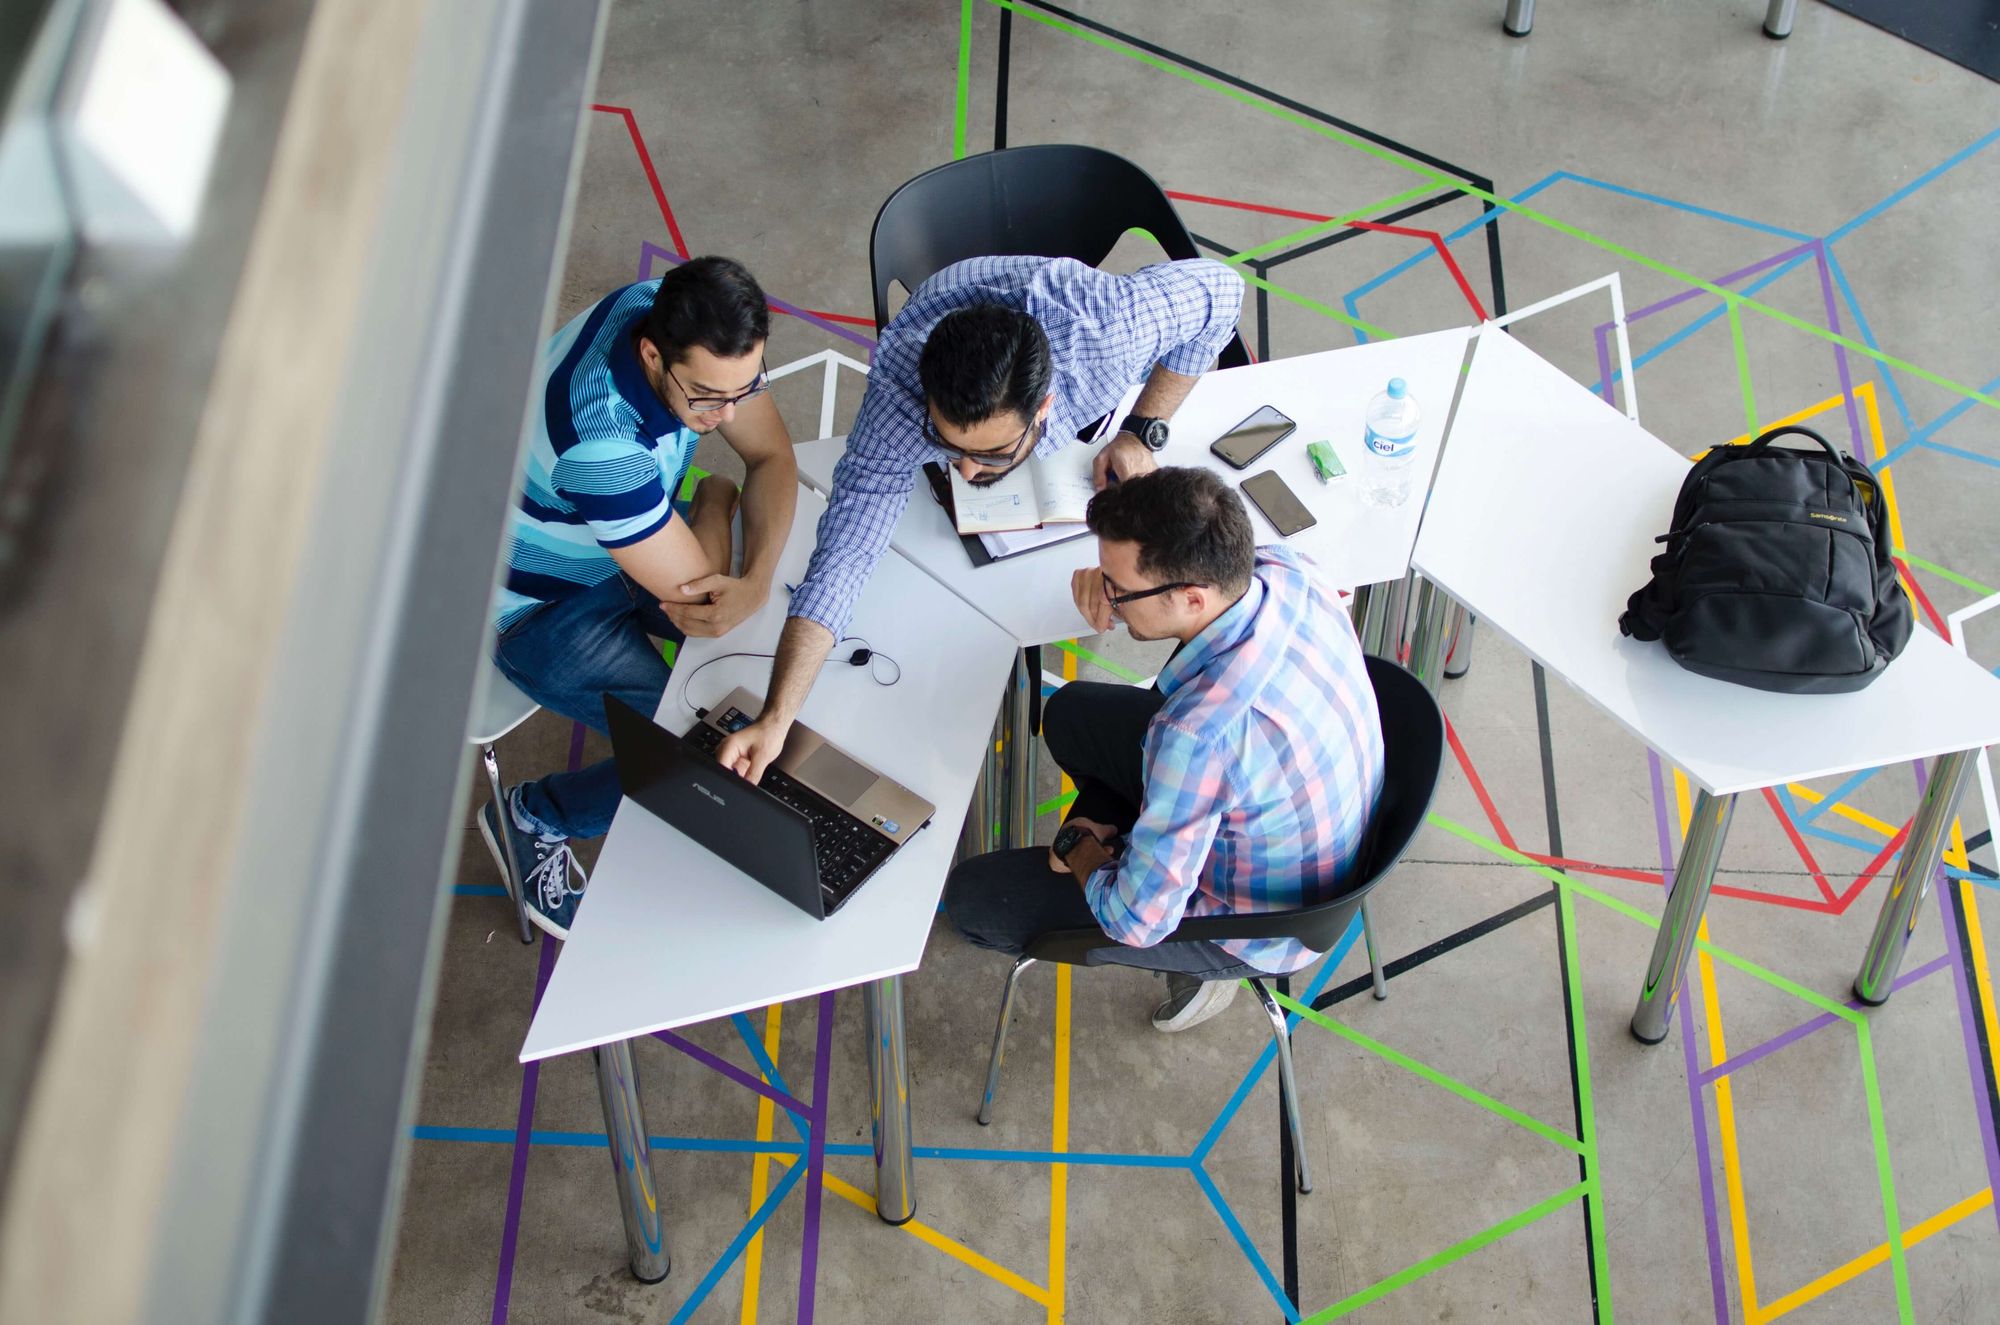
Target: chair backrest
(1055,200)
(1413,757)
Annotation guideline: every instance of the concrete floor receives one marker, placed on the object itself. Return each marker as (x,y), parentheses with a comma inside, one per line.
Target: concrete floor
(1649,136)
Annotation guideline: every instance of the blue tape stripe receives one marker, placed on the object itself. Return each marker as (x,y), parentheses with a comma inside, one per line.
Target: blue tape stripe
(479,890)
(744,1146)
(1257,1263)
(739,1242)
(1688,207)
(1955,159)
(1959,452)
(772,1077)
(1867,334)
(1270,1051)
(1839,793)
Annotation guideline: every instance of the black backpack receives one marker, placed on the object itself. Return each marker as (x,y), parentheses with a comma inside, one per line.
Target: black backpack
(1777,572)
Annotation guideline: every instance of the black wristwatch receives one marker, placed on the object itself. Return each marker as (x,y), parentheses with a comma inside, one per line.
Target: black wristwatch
(1153,432)
(1067,838)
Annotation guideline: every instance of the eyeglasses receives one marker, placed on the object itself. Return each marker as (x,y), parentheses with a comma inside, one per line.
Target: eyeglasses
(711,404)
(1115,600)
(1003,460)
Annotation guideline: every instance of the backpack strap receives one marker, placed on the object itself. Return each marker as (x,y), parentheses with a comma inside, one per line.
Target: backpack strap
(1764,439)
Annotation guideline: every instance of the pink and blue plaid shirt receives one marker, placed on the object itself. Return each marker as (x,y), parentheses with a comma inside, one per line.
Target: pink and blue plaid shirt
(1262,768)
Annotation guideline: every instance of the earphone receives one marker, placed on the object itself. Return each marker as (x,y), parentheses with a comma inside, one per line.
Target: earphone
(862,656)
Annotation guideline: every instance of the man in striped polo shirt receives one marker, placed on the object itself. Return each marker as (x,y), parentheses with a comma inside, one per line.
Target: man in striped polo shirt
(600,562)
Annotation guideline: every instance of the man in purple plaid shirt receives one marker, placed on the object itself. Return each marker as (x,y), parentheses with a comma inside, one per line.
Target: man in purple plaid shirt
(1241,784)
(992,361)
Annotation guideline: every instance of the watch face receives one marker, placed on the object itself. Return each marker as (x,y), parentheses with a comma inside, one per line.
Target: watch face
(1155,434)
(1067,839)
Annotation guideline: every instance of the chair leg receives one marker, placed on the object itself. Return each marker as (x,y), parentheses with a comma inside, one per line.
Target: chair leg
(1287,1084)
(1374,960)
(510,874)
(1000,1040)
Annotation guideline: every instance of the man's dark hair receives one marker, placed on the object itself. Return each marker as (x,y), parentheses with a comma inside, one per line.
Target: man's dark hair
(983,360)
(711,302)
(1189,526)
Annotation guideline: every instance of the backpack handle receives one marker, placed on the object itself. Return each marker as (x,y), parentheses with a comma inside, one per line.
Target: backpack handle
(1765,439)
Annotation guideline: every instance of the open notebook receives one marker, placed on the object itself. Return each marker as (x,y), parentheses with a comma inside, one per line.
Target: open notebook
(1048,490)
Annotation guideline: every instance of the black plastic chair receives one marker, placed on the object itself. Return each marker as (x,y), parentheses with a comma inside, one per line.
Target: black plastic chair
(1056,200)
(1413,745)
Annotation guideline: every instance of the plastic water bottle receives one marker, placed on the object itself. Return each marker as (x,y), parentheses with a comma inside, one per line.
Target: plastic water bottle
(1391,439)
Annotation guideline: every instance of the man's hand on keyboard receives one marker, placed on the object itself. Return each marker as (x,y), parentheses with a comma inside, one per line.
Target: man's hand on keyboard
(750,751)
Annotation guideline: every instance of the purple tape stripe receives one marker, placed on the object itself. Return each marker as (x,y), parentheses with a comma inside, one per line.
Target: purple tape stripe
(1981,1097)
(733,1072)
(649,252)
(1821,1022)
(1711,1218)
(524,1124)
(1604,364)
(1839,350)
(815,1161)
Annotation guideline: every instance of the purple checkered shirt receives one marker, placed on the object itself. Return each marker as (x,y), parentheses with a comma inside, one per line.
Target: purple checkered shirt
(1262,768)
(1106,333)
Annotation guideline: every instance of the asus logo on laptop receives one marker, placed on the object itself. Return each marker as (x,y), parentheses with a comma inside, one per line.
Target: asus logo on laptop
(711,795)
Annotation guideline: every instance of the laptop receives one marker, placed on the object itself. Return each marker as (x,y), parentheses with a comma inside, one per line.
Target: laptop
(813,831)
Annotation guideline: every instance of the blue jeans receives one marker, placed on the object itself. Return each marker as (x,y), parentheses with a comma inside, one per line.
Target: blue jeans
(566,656)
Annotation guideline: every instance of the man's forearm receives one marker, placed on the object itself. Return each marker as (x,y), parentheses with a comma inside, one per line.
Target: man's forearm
(1163,393)
(770,494)
(802,648)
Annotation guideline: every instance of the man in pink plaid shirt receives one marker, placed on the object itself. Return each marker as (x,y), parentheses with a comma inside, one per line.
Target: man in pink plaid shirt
(1242,783)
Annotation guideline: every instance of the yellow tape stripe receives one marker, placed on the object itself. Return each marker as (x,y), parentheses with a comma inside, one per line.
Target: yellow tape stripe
(1868,1260)
(760,1173)
(1725,1124)
(958,1251)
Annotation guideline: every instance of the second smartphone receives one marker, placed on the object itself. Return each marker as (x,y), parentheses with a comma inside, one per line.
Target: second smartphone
(1249,439)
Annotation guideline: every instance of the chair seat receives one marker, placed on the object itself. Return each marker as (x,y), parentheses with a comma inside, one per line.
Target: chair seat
(503,708)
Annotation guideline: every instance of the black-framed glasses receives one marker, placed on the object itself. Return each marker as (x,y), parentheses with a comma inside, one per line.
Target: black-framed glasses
(1006,459)
(1117,600)
(710,404)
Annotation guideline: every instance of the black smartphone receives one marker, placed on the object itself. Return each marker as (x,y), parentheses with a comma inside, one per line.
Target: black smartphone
(1252,437)
(1278,503)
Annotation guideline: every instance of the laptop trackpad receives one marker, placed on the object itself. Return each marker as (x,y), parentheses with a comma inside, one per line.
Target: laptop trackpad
(834,776)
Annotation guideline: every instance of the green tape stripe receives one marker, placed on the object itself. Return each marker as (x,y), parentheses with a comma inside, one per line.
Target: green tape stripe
(1327,131)
(1054,803)
(1454,1253)
(1082,654)
(1600,1246)
(1432,1075)
(1962,581)
(1324,310)
(1743,368)
(964,81)
(1318,228)
(1631,912)
(1878,1130)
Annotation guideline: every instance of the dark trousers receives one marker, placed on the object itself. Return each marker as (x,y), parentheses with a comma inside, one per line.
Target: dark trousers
(1005,899)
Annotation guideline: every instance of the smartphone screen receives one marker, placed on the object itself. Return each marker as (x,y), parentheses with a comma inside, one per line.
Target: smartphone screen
(1252,437)
(1279,505)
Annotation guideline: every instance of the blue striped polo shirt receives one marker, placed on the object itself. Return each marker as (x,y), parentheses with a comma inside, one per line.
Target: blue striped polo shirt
(604,463)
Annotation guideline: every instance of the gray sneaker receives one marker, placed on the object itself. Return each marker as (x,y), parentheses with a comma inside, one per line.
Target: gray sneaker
(1191,1001)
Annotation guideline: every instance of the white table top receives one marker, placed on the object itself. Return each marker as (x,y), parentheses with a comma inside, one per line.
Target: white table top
(669,934)
(1542,522)
(1325,393)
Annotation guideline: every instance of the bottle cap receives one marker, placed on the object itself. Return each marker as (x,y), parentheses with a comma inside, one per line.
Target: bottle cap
(1397,388)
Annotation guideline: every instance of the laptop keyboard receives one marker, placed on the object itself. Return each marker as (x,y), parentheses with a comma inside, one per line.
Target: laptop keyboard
(845,849)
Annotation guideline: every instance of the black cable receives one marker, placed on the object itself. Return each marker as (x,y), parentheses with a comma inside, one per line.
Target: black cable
(862,656)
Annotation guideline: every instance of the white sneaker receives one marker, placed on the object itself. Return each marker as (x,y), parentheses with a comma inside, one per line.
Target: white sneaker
(1191,1001)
